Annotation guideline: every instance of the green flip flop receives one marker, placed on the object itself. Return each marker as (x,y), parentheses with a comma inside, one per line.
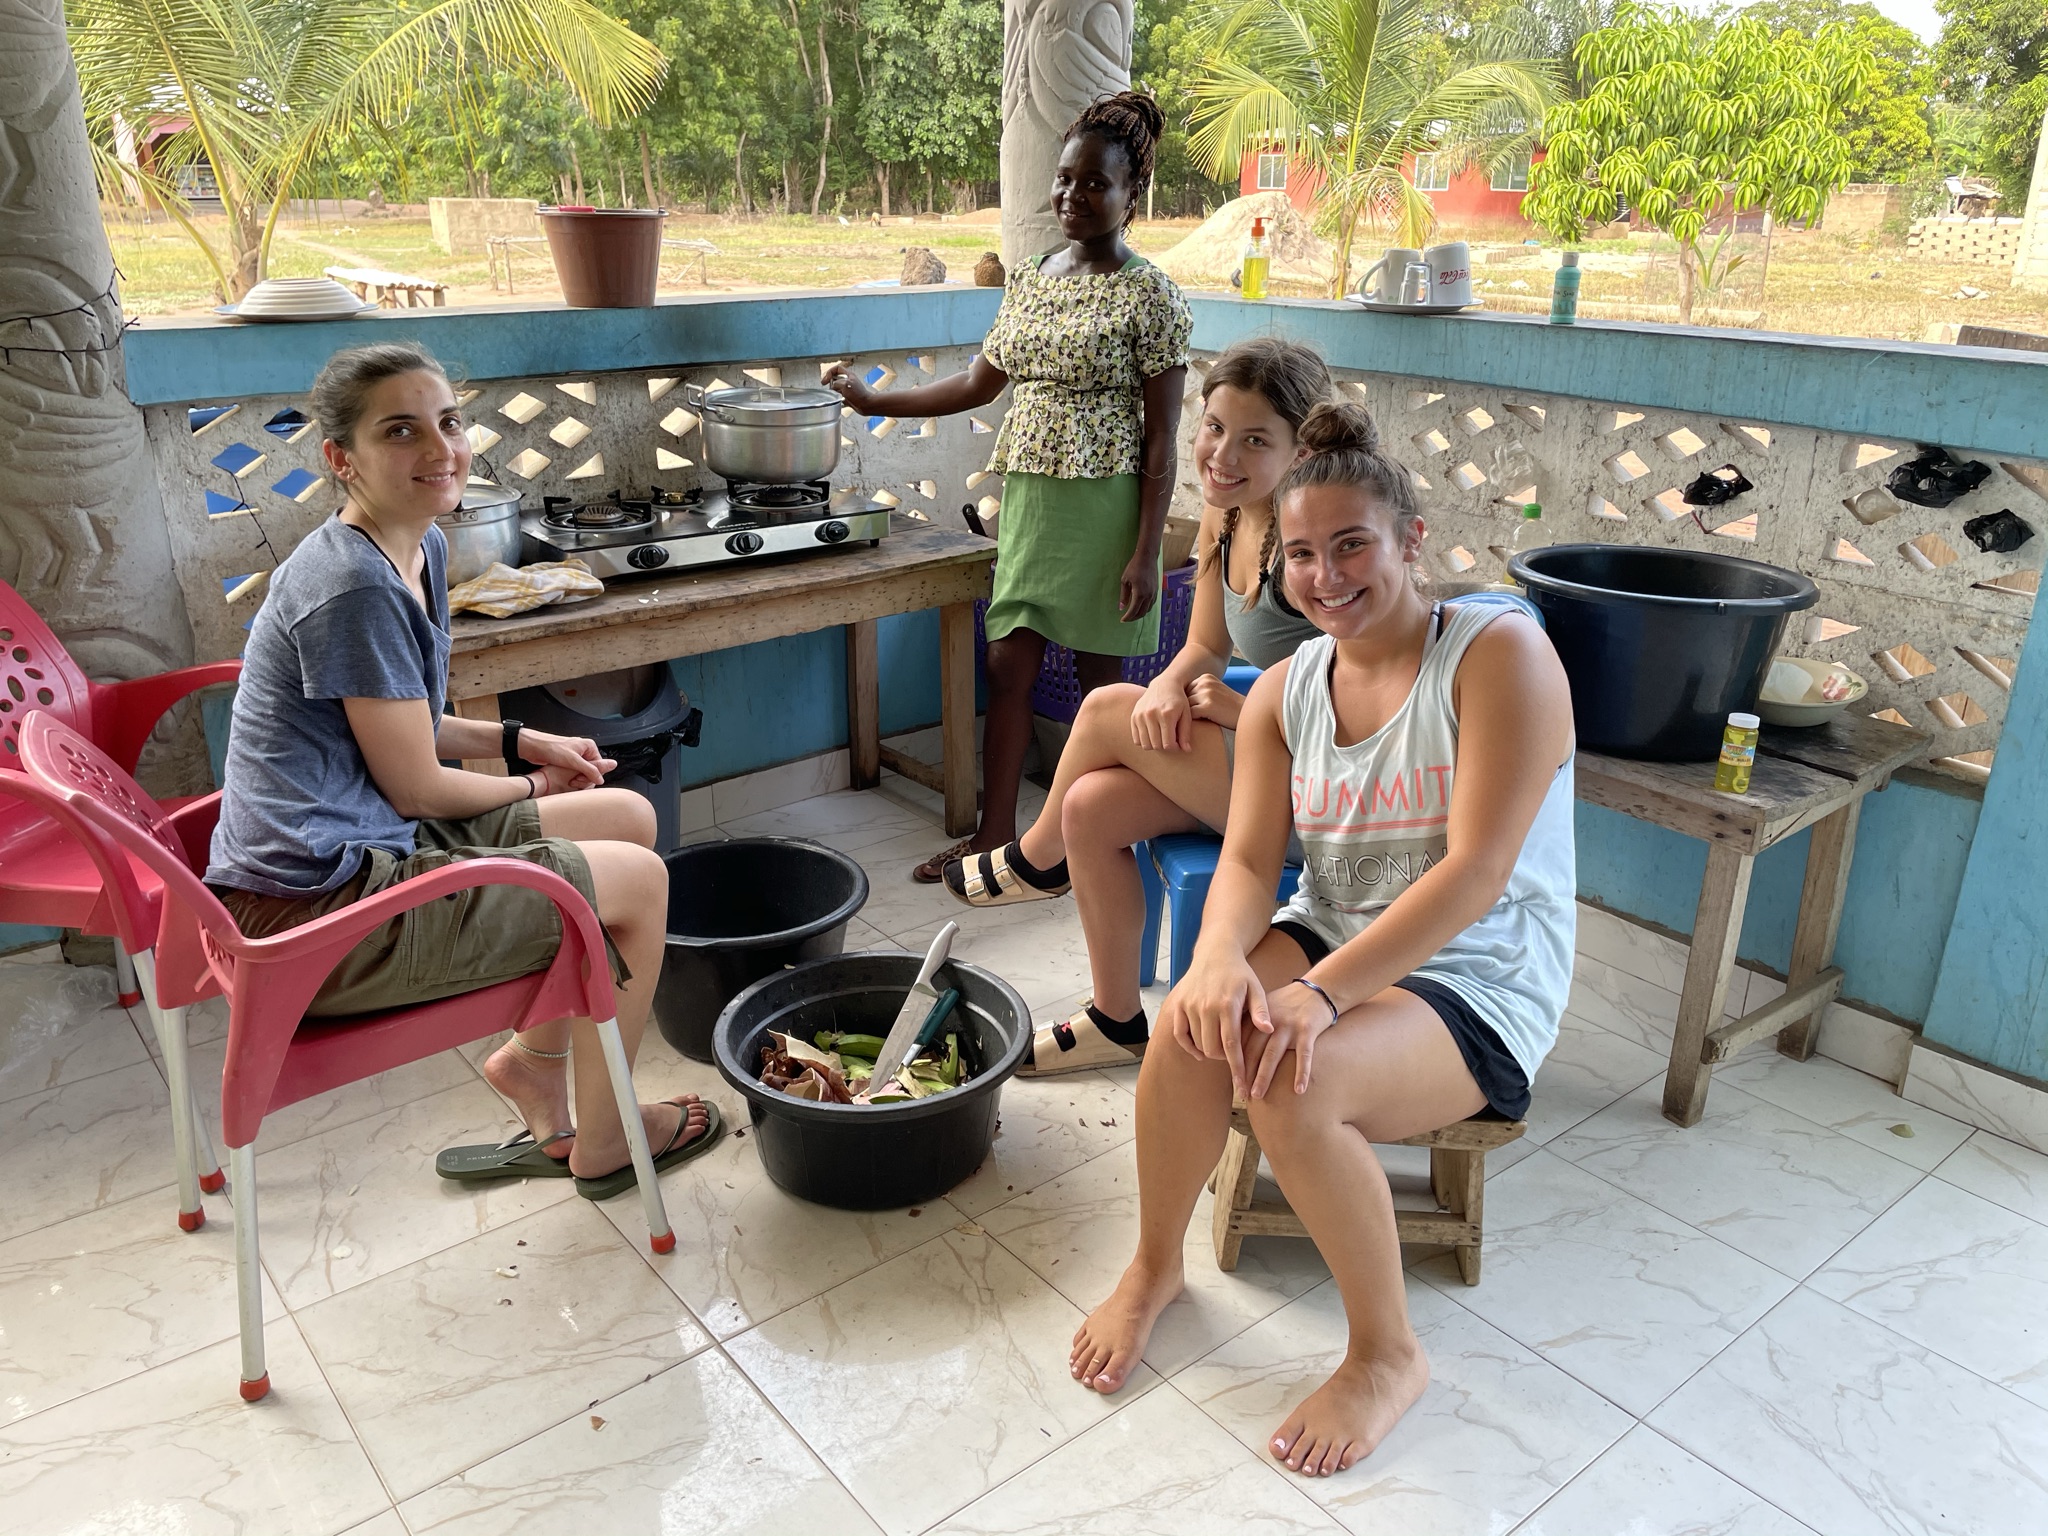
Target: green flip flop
(518,1157)
(620,1180)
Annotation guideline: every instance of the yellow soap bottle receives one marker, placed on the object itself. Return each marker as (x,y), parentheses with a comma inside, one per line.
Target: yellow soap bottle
(1738,754)
(1252,276)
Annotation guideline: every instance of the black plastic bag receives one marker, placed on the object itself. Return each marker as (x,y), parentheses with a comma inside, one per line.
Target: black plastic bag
(644,758)
(1998,533)
(1717,486)
(1934,479)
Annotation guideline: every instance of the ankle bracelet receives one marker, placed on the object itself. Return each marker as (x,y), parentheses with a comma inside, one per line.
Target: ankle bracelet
(525,1049)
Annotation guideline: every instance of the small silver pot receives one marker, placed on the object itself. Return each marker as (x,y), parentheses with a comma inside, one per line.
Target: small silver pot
(482,531)
(770,434)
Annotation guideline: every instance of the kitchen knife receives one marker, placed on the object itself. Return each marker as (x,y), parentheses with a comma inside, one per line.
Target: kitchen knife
(917,1007)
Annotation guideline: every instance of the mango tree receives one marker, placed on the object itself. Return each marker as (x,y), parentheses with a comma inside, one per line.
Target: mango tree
(1688,122)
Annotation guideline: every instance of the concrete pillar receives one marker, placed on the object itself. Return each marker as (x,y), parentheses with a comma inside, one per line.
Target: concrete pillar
(82,531)
(2030,267)
(1058,57)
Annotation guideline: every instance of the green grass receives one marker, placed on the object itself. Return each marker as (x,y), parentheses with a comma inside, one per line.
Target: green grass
(1818,284)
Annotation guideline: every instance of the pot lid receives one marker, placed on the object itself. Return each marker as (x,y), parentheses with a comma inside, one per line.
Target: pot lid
(773,398)
(479,497)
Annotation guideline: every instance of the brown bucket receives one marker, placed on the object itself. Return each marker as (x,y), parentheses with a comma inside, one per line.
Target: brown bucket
(607,258)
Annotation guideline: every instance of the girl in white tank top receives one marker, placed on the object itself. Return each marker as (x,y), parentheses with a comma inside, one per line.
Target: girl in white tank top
(1373,817)
(1422,752)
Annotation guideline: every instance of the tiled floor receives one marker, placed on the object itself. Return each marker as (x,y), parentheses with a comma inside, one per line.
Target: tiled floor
(1820,1310)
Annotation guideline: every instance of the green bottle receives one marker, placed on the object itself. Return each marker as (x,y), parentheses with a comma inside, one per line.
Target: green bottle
(1564,291)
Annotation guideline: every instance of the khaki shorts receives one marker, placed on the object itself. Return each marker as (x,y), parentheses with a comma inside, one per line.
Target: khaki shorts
(471,939)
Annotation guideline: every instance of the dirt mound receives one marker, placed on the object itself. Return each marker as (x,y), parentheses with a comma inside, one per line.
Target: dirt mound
(1209,255)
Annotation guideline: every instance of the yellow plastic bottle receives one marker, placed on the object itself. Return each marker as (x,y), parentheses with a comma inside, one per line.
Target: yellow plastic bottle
(1252,278)
(1738,754)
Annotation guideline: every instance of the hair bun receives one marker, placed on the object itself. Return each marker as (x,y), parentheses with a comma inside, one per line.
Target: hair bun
(1340,426)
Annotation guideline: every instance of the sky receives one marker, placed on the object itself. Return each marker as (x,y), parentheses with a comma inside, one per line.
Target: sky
(1916,16)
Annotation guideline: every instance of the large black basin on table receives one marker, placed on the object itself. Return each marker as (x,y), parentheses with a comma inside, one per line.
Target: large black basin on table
(1660,645)
(742,909)
(867,1157)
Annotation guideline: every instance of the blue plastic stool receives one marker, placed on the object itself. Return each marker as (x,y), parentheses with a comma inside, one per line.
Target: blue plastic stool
(1177,869)
(1183,863)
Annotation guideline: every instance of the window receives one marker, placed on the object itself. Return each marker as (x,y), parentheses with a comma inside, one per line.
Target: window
(1272,173)
(1512,174)
(1432,173)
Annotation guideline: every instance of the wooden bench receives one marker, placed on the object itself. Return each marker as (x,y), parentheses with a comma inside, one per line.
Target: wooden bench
(1803,778)
(1457,1176)
(388,286)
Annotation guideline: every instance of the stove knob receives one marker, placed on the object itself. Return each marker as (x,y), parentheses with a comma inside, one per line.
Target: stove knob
(744,543)
(832,533)
(647,556)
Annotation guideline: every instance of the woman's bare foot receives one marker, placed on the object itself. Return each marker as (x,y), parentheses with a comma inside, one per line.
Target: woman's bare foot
(539,1090)
(1343,1421)
(1109,1345)
(668,1124)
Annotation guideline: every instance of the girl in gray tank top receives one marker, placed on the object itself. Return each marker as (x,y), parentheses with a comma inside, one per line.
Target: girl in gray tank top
(1145,761)
(1422,751)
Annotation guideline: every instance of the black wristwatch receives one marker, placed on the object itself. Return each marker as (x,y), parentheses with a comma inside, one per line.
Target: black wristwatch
(514,763)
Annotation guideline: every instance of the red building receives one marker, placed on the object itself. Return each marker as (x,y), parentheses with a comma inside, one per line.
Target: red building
(1474,195)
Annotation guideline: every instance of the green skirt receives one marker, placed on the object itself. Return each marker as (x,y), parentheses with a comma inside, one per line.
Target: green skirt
(1061,549)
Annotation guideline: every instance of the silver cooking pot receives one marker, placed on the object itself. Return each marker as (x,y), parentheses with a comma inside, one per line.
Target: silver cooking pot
(770,434)
(483,530)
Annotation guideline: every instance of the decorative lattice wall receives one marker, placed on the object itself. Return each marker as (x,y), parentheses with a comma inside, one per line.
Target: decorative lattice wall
(243,480)
(1907,601)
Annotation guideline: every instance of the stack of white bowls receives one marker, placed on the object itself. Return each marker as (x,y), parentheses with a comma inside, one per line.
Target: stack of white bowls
(297,298)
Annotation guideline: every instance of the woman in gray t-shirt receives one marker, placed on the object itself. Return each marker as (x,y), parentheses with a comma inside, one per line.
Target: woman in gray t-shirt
(336,789)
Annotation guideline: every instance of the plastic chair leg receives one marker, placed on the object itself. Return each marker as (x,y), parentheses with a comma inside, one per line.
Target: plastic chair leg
(1155,907)
(211,1179)
(124,979)
(658,1234)
(170,1038)
(248,1273)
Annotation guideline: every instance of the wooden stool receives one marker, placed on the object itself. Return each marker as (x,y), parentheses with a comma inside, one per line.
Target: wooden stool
(1457,1176)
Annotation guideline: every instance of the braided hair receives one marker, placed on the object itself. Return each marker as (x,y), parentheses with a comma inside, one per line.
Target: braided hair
(1294,380)
(1133,122)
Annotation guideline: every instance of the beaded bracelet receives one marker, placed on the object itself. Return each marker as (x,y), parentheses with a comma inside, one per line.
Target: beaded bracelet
(1303,981)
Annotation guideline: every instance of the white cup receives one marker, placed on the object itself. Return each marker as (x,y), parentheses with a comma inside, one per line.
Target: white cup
(1450,273)
(1389,270)
(1415,283)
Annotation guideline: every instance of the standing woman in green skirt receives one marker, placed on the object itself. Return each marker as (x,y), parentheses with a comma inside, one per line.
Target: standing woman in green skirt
(1095,340)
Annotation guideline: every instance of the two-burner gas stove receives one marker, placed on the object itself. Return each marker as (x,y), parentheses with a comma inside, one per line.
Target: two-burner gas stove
(674,530)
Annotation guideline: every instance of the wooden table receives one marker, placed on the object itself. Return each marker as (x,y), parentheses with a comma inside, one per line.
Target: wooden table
(1805,778)
(390,285)
(919,565)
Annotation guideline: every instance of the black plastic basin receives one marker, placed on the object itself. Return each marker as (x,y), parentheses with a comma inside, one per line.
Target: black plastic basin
(871,1157)
(739,910)
(1660,645)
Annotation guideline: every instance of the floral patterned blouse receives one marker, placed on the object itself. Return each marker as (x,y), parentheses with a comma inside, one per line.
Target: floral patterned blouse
(1078,351)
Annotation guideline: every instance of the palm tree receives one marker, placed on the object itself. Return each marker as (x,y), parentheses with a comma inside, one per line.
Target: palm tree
(1344,88)
(265,87)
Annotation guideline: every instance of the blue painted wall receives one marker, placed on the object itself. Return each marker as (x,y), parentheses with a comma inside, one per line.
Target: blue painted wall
(1992,401)
(779,700)
(1991,1001)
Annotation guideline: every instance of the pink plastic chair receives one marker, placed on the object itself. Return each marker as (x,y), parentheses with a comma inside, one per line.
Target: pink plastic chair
(274,1056)
(79,881)
(48,878)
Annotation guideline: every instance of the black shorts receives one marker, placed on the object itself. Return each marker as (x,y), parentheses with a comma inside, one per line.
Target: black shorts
(1492,1065)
